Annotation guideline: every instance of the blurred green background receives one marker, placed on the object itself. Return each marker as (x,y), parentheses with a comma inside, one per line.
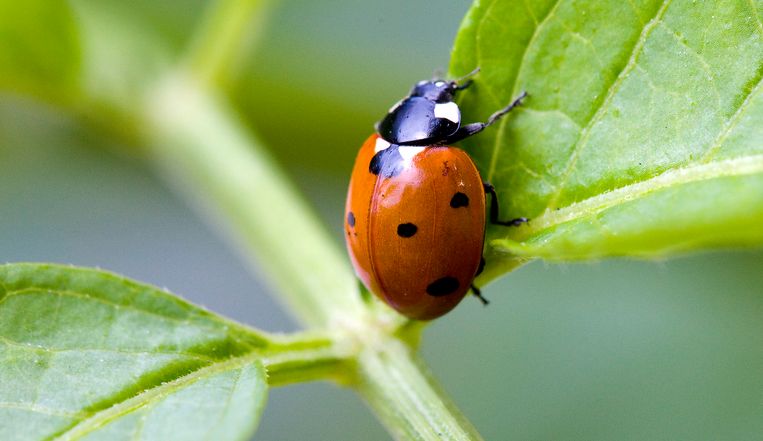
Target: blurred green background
(611,350)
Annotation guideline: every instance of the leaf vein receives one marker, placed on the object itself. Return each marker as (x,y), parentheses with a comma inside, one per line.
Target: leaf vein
(705,66)
(757,16)
(36,408)
(31,291)
(530,12)
(137,434)
(637,12)
(514,92)
(227,405)
(478,36)
(732,122)
(192,312)
(614,87)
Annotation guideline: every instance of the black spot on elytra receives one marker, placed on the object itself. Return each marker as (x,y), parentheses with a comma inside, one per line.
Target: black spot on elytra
(387,163)
(443,287)
(351,219)
(459,200)
(407,229)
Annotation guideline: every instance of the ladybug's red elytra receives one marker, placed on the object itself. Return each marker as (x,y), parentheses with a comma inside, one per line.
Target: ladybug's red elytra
(415,212)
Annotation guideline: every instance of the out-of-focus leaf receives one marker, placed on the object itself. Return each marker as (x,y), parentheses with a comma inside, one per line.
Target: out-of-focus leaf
(123,57)
(643,132)
(39,48)
(86,354)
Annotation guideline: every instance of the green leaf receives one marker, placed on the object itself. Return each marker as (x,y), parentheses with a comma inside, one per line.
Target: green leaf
(39,50)
(643,131)
(86,354)
(91,57)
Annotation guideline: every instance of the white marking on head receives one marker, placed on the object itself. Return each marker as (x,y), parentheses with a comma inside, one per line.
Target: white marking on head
(448,111)
(381,144)
(439,83)
(408,152)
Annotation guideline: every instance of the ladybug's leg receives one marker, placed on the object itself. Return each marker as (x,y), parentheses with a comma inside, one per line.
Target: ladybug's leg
(494,209)
(493,220)
(477,293)
(481,267)
(472,129)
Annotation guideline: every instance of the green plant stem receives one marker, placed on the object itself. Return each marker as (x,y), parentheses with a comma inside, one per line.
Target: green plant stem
(306,356)
(198,142)
(398,387)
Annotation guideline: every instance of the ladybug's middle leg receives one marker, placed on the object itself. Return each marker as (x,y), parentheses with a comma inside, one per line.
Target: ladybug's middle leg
(476,291)
(489,189)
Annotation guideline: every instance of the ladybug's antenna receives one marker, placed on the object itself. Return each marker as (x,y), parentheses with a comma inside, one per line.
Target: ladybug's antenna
(469,75)
(465,81)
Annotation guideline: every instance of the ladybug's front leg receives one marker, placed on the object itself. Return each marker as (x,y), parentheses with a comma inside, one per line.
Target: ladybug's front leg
(472,129)
(489,189)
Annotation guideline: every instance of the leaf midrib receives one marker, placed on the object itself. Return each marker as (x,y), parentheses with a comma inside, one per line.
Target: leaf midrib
(744,165)
(151,396)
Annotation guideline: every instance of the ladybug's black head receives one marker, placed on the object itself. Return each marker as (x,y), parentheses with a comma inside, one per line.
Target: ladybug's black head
(428,115)
(438,91)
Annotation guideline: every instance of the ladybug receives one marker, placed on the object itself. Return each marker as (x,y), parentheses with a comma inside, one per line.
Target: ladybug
(415,211)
